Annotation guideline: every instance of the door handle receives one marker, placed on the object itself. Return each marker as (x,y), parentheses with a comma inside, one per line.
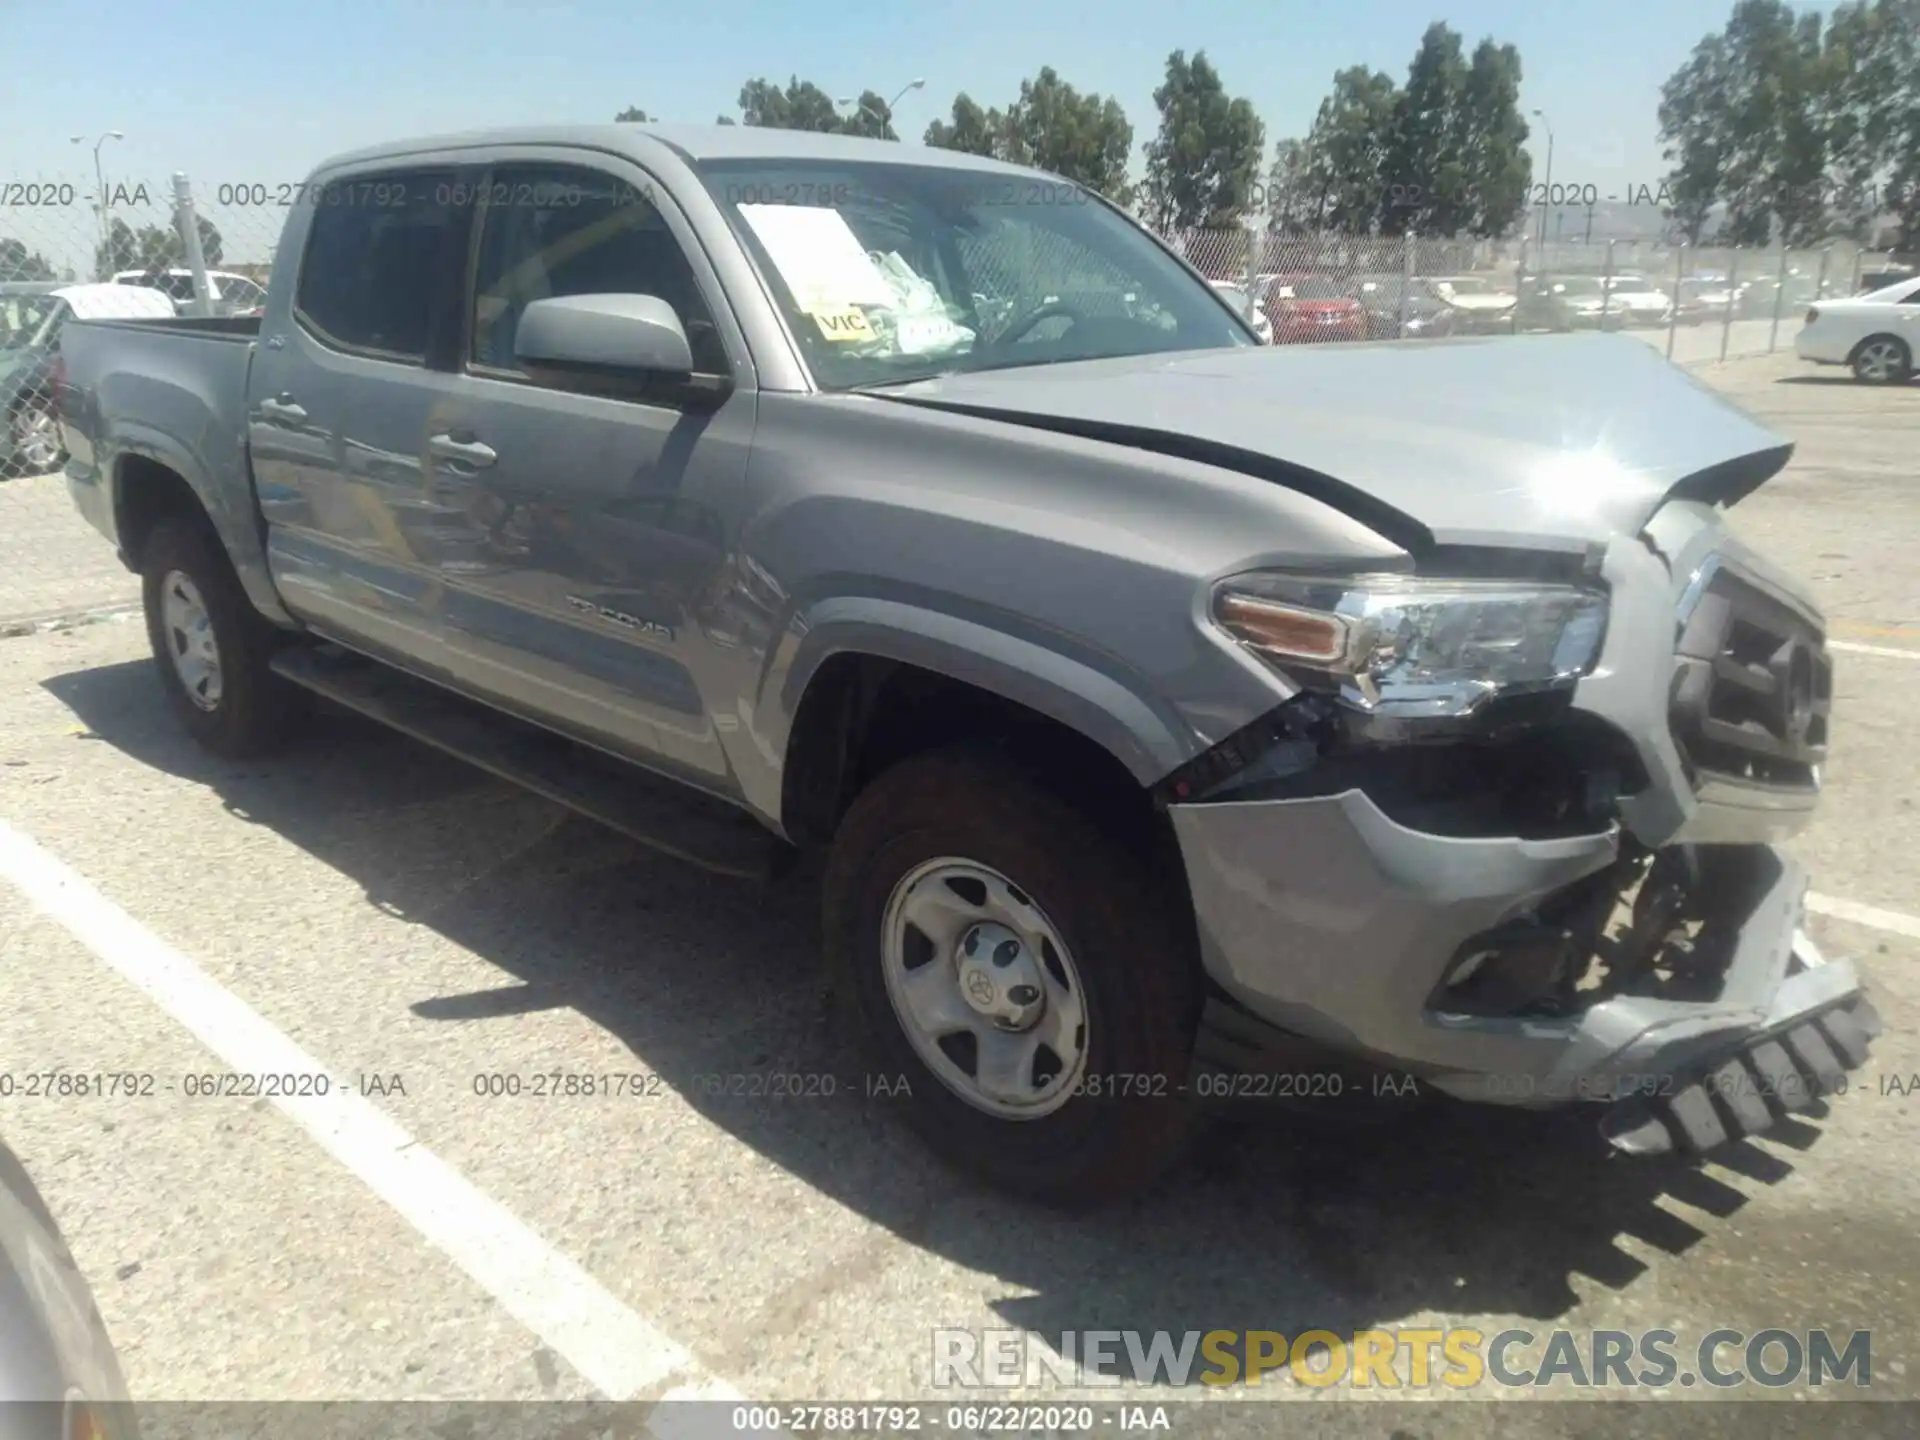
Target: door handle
(469,452)
(282,411)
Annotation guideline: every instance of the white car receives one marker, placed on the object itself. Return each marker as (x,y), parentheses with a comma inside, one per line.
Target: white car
(1481,308)
(1236,296)
(232,294)
(1638,301)
(1878,334)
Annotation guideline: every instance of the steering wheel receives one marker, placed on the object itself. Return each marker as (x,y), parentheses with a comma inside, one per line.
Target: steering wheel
(1033,317)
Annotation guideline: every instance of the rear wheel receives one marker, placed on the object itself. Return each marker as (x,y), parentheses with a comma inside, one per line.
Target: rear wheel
(1882,360)
(211,646)
(1029,976)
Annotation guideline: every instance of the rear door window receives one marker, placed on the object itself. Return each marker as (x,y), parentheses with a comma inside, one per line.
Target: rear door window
(377,260)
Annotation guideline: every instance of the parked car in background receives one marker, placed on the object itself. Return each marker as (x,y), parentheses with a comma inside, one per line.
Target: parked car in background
(23,305)
(1481,307)
(1638,301)
(59,1376)
(1236,296)
(1877,334)
(1428,313)
(29,350)
(1564,302)
(1309,309)
(1696,302)
(1760,296)
(232,294)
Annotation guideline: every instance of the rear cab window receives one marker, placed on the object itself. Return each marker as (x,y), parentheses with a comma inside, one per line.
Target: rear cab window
(378,252)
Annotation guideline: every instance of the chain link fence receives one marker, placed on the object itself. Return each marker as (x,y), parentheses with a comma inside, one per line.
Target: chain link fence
(1694,303)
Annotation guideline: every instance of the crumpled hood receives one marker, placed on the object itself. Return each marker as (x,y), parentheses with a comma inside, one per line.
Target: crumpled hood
(1544,442)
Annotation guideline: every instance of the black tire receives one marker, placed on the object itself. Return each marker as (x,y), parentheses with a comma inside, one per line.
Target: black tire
(254,709)
(1898,373)
(1131,939)
(16,466)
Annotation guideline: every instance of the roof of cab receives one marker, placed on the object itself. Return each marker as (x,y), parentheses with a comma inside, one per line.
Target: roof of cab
(691,142)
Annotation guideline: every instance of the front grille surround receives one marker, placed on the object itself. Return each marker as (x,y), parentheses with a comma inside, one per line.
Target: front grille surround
(1752,685)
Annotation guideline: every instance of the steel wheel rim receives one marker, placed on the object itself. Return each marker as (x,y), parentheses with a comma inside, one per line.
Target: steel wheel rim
(36,437)
(1026,1054)
(187,627)
(1879,360)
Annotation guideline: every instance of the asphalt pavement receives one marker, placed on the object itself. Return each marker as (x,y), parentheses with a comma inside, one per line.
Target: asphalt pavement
(431,940)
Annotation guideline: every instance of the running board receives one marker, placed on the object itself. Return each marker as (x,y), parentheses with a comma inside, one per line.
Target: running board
(655,811)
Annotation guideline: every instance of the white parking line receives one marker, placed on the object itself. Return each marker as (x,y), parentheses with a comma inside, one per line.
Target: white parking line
(1890,651)
(1873,915)
(618,1350)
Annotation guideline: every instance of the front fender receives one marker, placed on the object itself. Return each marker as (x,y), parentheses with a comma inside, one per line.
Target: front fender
(1091,695)
(227,500)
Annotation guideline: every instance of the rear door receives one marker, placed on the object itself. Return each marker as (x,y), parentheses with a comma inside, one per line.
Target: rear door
(341,401)
(600,517)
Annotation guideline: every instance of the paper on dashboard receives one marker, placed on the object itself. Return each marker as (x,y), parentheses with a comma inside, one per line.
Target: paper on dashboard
(818,255)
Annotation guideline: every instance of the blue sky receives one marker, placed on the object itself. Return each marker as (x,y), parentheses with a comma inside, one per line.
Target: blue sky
(273,90)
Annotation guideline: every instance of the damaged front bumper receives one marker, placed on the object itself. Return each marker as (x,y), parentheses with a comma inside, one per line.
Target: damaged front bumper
(1465,962)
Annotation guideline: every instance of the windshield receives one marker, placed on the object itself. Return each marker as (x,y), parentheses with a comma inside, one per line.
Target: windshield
(1309,287)
(892,272)
(1634,284)
(1465,287)
(22,317)
(1579,285)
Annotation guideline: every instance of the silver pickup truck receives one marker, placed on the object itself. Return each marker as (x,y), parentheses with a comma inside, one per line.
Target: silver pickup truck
(1180,718)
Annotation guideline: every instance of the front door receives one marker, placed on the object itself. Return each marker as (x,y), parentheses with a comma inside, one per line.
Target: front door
(599,522)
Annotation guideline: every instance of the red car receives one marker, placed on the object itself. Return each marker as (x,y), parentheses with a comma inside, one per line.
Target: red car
(1306,309)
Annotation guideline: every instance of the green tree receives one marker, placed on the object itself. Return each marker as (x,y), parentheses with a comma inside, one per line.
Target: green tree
(18,263)
(802,105)
(1203,166)
(1292,202)
(1345,165)
(1498,169)
(633,114)
(119,251)
(871,117)
(1770,118)
(1872,108)
(1050,126)
(1083,138)
(971,129)
(153,247)
(1426,165)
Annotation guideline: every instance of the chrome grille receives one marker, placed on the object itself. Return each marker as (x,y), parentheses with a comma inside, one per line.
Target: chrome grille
(1752,684)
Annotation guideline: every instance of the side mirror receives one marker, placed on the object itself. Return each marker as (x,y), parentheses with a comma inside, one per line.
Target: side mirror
(620,334)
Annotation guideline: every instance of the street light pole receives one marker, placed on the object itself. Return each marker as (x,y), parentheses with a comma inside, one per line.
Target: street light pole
(105,258)
(1546,193)
(886,119)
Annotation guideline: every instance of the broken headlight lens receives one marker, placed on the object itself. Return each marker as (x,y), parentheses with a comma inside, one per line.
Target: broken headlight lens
(1412,647)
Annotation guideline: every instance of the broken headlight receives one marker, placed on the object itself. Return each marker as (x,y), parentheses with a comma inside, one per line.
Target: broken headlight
(1411,647)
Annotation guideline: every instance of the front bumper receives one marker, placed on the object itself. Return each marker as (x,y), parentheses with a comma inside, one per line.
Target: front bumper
(1327,921)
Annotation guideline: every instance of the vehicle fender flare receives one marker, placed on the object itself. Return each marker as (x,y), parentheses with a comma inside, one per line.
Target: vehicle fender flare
(1108,707)
(238,527)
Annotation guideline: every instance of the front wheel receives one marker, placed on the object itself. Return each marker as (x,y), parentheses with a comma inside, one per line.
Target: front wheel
(1032,978)
(211,646)
(37,448)
(1882,360)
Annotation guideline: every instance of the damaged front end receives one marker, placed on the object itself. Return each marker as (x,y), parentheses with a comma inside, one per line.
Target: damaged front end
(1558,888)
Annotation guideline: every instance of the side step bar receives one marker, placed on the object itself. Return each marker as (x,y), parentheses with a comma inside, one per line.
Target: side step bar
(652,810)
